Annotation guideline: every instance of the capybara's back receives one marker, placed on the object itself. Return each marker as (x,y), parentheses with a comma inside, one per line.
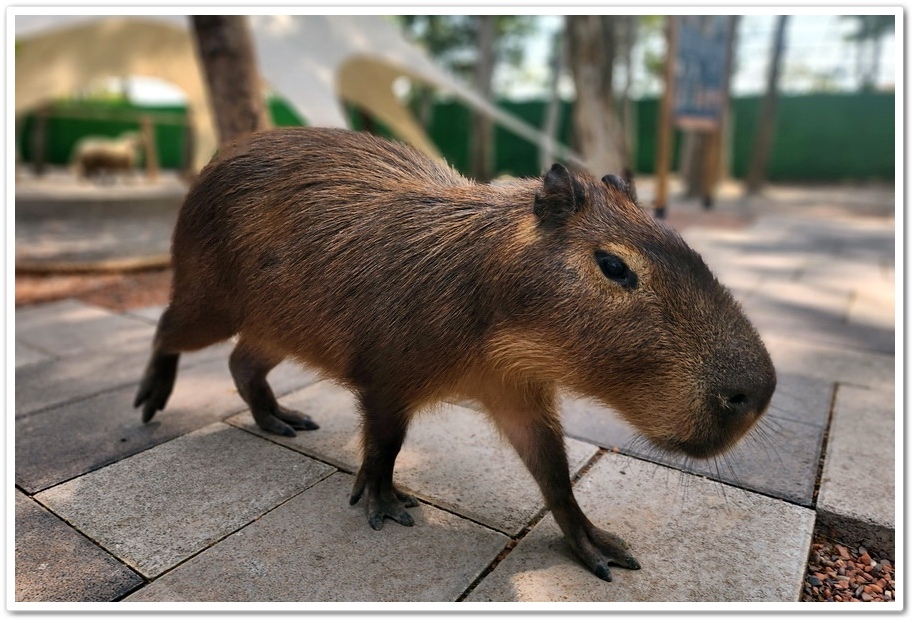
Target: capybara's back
(396,276)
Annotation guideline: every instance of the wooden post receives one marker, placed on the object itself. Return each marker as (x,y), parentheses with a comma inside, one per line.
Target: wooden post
(715,148)
(40,140)
(187,164)
(149,148)
(663,150)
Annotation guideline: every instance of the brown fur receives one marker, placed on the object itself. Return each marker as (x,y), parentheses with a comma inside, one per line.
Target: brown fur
(410,284)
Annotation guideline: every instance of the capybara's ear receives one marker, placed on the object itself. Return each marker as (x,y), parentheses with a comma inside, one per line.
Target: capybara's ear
(625,185)
(561,197)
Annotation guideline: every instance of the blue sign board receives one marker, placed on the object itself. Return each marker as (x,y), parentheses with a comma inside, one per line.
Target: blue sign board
(699,75)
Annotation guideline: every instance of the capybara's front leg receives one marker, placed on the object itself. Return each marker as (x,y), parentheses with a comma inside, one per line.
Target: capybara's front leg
(536,433)
(384,429)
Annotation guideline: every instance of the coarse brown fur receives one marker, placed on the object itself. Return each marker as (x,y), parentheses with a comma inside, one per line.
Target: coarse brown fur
(410,284)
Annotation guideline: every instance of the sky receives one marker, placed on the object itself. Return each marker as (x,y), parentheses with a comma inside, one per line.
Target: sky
(815,49)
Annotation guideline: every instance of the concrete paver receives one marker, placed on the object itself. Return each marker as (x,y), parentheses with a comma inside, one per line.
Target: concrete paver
(453,457)
(857,500)
(317,548)
(695,539)
(69,326)
(168,503)
(792,354)
(27,355)
(54,382)
(54,562)
(64,442)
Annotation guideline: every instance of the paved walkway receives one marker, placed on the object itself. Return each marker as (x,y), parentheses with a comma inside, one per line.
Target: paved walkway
(199,505)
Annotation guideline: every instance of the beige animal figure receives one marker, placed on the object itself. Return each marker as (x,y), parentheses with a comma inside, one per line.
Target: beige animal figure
(102,158)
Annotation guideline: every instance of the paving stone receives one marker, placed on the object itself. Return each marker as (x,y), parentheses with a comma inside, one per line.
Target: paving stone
(54,562)
(150,314)
(68,379)
(857,498)
(68,327)
(318,548)
(453,457)
(830,363)
(165,505)
(63,442)
(779,457)
(696,541)
(873,307)
(27,355)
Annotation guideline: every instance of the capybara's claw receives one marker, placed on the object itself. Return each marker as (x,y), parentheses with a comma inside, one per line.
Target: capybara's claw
(598,549)
(383,502)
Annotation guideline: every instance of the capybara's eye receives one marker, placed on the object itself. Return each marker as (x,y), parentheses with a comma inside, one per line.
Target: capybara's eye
(615,269)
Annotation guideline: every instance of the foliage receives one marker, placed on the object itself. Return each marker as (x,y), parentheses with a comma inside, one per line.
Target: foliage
(452,39)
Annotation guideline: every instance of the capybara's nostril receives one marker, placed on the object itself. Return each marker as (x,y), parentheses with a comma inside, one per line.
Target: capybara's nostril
(738,400)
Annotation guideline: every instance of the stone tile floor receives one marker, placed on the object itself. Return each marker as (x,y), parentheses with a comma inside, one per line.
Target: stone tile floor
(201,506)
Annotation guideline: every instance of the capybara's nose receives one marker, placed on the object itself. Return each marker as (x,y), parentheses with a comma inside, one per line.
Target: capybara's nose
(746,401)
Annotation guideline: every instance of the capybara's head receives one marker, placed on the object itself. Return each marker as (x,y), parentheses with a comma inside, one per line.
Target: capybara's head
(633,316)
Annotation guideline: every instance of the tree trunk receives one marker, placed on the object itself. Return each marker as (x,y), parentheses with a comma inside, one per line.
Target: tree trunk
(763,141)
(227,56)
(595,122)
(482,133)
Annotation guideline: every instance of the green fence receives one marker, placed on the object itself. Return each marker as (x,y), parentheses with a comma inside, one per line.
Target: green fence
(823,137)
(68,121)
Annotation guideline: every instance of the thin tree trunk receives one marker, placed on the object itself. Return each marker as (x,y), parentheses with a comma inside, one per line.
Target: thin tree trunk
(482,134)
(596,125)
(763,141)
(227,55)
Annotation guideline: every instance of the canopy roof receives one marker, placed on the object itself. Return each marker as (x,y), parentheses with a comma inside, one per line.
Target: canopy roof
(314,61)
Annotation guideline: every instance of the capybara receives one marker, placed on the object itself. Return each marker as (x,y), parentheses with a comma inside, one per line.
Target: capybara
(410,284)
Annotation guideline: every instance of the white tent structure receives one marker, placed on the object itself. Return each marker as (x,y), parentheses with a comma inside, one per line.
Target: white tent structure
(314,61)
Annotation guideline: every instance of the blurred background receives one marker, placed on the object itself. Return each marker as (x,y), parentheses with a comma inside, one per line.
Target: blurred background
(114,115)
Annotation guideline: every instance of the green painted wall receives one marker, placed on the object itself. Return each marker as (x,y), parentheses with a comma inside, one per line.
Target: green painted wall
(825,137)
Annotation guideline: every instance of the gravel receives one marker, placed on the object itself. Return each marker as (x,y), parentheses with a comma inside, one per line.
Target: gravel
(840,573)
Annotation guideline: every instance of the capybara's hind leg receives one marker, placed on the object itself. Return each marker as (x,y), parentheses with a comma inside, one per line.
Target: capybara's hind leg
(384,429)
(175,333)
(249,366)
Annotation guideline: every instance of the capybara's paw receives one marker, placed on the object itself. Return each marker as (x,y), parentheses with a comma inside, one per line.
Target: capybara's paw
(282,421)
(383,502)
(598,549)
(296,419)
(156,385)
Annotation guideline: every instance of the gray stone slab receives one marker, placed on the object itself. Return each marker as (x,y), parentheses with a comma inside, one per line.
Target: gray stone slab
(318,548)
(696,540)
(68,327)
(453,457)
(779,457)
(150,314)
(68,379)
(160,507)
(830,363)
(857,498)
(55,563)
(57,444)
(27,355)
